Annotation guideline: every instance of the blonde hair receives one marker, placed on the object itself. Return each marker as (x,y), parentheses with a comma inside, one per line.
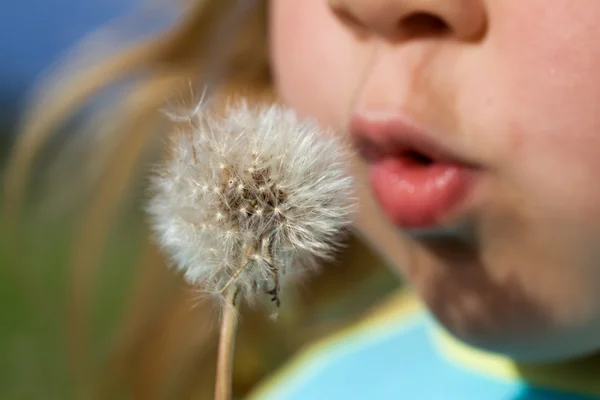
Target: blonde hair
(222,43)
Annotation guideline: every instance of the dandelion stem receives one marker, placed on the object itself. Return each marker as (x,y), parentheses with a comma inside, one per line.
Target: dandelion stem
(233,277)
(226,347)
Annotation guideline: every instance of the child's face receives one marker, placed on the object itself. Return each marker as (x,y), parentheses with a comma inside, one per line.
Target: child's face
(510,90)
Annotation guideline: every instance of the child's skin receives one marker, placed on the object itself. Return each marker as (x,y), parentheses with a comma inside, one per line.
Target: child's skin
(512,87)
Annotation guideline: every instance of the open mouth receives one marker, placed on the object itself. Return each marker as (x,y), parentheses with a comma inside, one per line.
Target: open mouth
(413,157)
(417,183)
(416,191)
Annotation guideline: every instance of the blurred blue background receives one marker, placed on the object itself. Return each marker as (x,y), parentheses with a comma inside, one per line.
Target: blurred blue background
(33,33)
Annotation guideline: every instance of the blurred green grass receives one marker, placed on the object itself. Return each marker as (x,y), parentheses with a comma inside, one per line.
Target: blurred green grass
(34,302)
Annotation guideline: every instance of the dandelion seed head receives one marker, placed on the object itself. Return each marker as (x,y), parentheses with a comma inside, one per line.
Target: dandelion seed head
(276,199)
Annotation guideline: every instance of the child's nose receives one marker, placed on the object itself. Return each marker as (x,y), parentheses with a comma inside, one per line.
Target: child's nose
(463,19)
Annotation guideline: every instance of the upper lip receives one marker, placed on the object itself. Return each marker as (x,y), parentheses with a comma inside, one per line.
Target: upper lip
(379,138)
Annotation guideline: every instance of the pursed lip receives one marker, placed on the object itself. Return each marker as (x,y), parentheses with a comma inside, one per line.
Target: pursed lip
(418,181)
(379,138)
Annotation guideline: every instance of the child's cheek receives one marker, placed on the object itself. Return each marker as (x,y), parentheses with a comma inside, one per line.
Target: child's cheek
(532,102)
(316,61)
(544,85)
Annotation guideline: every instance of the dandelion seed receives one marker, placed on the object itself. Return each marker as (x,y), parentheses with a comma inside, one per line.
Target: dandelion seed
(276,197)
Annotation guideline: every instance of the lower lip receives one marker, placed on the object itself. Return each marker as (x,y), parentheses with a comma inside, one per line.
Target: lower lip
(417,195)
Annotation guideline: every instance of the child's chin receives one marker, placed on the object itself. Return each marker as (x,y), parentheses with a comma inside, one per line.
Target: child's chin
(502,318)
(531,342)
(504,307)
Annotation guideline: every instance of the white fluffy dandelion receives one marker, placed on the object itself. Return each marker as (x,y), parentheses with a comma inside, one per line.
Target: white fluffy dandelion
(250,199)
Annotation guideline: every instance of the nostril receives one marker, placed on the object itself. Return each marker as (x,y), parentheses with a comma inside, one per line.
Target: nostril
(423,24)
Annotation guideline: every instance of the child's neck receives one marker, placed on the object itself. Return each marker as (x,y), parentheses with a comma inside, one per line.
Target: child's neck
(581,375)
